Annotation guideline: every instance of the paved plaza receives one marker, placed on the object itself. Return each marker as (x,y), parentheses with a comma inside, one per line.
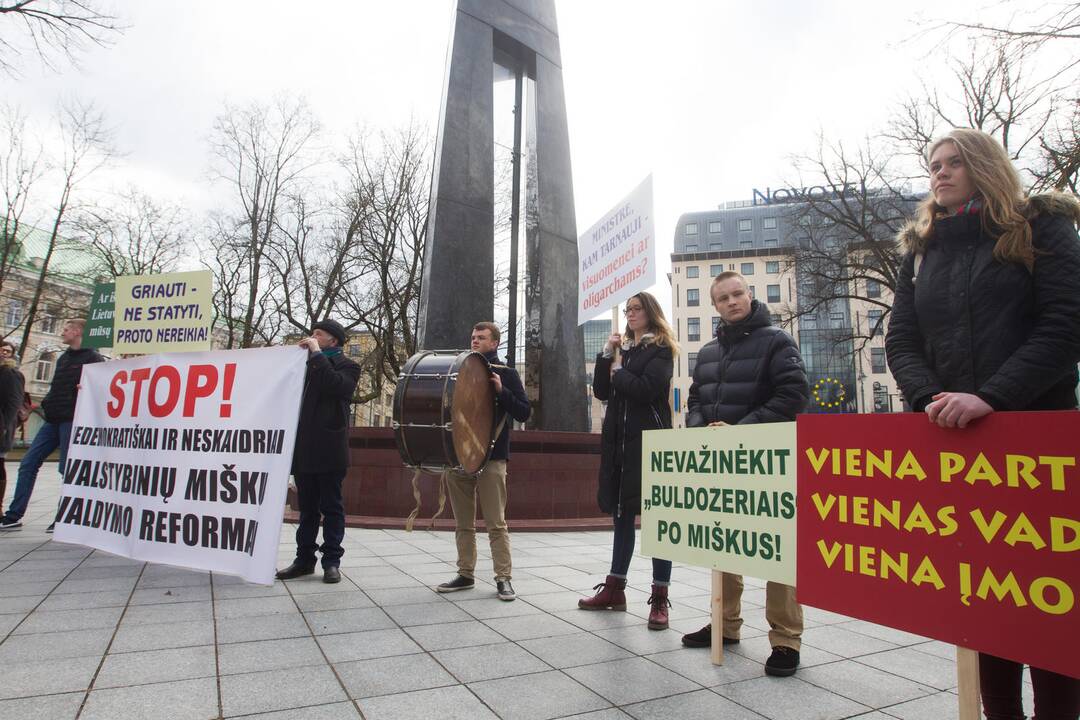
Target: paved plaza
(89,635)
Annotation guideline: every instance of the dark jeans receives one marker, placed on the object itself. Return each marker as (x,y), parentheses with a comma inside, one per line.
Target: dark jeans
(50,437)
(1057,697)
(622,550)
(320,494)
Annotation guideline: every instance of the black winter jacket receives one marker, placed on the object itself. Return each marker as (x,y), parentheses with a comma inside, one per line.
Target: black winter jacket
(968,323)
(59,403)
(12,385)
(511,401)
(637,400)
(750,373)
(322,434)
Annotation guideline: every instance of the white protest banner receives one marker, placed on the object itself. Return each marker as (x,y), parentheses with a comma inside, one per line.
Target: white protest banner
(617,254)
(184,458)
(722,497)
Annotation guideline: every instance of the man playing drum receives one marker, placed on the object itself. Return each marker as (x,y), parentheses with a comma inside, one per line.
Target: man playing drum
(490,484)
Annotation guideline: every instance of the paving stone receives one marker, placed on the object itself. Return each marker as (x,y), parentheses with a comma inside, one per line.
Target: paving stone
(696,664)
(942,706)
(759,649)
(54,646)
(526,627)
(347,647)
(845,643)
(182,700)
(426,613)
(333,711)
(914,665)
(30,587)
(446,703)
(881,632)
(334,601)
(156,666)
(226,610)
(639,640)
(565,651)
(486,662)
(598,619)
(133,638)
(386,676)
(169,595)
(537,697)
(247,590)
(178,612)
(265,627)
(487,608)
(235,658)
(789,699)
(609,714)
(41,621)
(45,677)
(631,680)
(46,707)
(863,684)
(330,622)
(697,705)
(454,635)
(95,585)
(272,690)
(78,601)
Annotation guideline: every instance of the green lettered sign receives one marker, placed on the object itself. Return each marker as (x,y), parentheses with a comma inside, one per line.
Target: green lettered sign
(721,498)
(98,332)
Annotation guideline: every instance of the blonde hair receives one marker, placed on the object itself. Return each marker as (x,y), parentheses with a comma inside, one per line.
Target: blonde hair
(658,327)
(997,185)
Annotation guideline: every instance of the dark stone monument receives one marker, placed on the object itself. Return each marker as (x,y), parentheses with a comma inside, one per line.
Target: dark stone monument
(459,267)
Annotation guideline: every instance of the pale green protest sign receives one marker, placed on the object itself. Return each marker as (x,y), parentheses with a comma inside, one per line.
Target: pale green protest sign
(721,498)
(171,312)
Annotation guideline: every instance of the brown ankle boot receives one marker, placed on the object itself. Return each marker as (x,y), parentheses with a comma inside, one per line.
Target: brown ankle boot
(609,596)
(658,613)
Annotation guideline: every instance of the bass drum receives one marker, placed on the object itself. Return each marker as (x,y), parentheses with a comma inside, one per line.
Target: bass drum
(444,411)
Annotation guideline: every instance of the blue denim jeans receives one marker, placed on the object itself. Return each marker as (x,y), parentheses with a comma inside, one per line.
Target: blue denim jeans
(622,551)
(50,437)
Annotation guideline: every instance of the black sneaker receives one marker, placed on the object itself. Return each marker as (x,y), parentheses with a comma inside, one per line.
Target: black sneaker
(9,524)
(703,638)
(505,590)
(458,583)
(782,662)
(52,526)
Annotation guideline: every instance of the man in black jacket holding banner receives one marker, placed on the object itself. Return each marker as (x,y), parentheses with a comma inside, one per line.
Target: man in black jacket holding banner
(321,455)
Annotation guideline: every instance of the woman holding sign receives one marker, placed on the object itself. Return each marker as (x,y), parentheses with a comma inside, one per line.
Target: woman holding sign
(636,385)
(987,318)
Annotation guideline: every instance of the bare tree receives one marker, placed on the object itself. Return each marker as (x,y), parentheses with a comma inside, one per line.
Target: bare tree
(52,29)
(263,153)
(21,167)
(135,236)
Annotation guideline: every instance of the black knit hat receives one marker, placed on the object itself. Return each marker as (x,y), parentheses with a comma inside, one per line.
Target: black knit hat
(333,327)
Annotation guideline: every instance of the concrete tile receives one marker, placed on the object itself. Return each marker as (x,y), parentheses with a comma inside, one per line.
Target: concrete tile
(46,707)
(609,714)
(29,587)
(332,711)
(697,705)
(330,622)
(41,621)
(23,604)
(156,666)
(640,640)
(537,697)
(565,651)
(696,664)
(278,690)
(9,622)
(246,590)
(405,596)
(254,607)
(96,585)
(347,647)
(448,703)
(365,580)
(789,699)
(486,662)
(454,635)
(759,649)
(526,627)
(387,676)
(54,646)
(629,681)
(133,638)
(169,595)
(266,627)
(333,601)
(78,601)
(845,643)
(45,677)
(599,619)
(91,572)
(883,632)
(175,579)
(262,655)
(432,613)
(487,608)
(937,648)
(863,684)
(914,665)
(177,612)
(182,700)
(942,706)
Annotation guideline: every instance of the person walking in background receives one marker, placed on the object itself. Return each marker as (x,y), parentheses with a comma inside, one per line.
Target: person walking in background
(636,386)
(986,318)
(12,387)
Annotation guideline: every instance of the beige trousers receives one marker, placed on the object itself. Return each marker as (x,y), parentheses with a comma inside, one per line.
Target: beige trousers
(782,612)
(490,485)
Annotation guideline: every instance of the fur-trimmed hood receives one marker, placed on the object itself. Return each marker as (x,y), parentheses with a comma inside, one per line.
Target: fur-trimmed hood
(1052,203)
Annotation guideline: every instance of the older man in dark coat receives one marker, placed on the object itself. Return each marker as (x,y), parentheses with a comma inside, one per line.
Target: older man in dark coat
(321,455)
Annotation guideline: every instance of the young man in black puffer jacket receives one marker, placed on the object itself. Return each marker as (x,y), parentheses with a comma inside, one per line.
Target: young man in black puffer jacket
(751,372)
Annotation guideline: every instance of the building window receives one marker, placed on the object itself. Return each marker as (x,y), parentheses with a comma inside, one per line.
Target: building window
(877,360)
(693,329)
(746,225)
(836,319)
(716,246)
(881,398)
(49,324)
(691,248)
(43,372)
(773,292)
(753,292)
(746,244)
(768,223)
(715,324)
(377,421)
(715,270)
(14,314)
(772,242)
(691,363)
(873,322)
(691,228)
(808,322)
(772,267)
(353,349)
(387,420)
(714,227)
(746,268)
(873,289)
(776,319)
(692,271)
(693,297)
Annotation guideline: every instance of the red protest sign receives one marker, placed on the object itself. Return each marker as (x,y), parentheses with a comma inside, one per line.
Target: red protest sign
(968,536)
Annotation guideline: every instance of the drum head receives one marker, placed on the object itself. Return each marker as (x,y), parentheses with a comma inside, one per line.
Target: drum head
(473,413)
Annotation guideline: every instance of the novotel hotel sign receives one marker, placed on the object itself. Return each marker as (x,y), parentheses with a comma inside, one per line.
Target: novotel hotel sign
(802,194)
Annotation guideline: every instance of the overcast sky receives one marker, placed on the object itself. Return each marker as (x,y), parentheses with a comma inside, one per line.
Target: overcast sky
(711,97)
